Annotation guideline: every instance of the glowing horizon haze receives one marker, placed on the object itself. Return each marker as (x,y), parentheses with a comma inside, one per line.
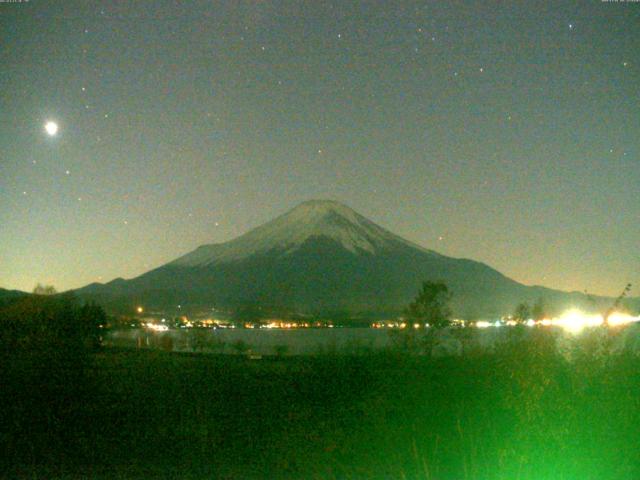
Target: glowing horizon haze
(504,133)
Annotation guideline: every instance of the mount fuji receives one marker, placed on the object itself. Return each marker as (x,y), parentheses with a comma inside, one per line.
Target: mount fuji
(320,258)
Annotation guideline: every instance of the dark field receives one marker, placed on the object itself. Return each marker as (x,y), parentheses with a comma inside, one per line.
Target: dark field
(523,412)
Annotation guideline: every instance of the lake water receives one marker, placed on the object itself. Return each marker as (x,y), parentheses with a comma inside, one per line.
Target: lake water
(260,341)
(339,340)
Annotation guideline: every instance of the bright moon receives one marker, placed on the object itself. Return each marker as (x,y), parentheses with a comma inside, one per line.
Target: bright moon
(51,128)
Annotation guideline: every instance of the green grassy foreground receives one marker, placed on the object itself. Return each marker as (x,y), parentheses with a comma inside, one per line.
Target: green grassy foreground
(521,413)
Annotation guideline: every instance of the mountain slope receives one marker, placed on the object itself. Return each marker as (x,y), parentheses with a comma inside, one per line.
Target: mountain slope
(8,296)
(314,218)
(320,258)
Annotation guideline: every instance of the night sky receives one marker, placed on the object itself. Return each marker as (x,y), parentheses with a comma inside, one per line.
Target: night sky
(505,132)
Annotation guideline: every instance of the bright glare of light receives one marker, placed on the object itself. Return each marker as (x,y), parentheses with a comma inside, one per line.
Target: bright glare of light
(575,321)
(617,318)
(139,309)
(51,128)
(157,328)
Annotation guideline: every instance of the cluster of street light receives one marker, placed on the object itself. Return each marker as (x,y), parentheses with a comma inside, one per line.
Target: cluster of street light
(572,321)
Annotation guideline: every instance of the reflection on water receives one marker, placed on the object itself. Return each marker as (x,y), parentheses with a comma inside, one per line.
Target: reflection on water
(337,340)
(265,342)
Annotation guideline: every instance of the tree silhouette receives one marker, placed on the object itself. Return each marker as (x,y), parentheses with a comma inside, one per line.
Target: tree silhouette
(522,313)
(431,305)
(538,311)
(40,289)
(617,303)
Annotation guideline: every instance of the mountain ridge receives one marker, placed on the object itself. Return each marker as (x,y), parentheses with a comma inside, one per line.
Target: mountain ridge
(287,232)
(319,258)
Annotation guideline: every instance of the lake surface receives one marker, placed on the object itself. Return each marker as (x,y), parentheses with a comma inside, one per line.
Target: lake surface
(261,341)
(342,340)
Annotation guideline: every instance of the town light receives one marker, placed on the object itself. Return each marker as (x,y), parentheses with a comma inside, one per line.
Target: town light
(617,318)
(157,328)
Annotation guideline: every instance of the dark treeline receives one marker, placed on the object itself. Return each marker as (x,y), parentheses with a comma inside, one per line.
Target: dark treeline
(46,350)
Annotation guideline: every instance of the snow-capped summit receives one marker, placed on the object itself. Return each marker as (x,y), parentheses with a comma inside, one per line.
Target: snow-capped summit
(326,219)
(320,258)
